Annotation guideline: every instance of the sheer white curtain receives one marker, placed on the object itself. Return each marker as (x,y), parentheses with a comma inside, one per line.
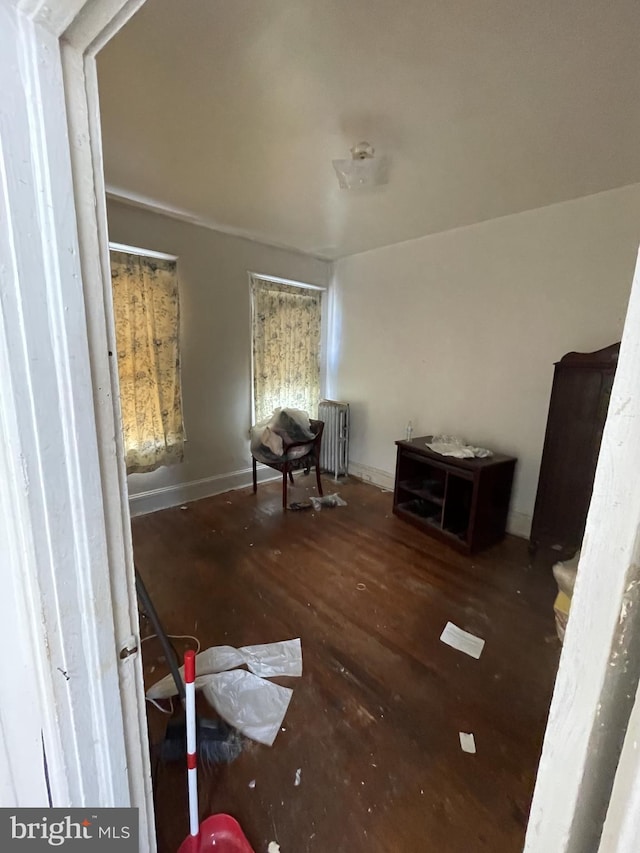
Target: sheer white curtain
(147,320)
(286,347)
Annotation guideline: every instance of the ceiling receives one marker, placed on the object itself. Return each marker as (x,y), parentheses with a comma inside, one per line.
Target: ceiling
(230,112)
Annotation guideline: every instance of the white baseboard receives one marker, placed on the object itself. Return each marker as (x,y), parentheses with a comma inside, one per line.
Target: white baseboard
(180,493)
(375,476)
(518,523)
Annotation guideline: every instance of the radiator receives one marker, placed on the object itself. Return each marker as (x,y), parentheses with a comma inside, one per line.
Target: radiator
(334,450)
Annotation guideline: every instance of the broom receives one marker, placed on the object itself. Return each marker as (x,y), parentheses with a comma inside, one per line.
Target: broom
(217,742)
(220,831)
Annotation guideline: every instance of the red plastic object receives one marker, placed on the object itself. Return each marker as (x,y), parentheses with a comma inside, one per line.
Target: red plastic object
(189,666)
(219,833)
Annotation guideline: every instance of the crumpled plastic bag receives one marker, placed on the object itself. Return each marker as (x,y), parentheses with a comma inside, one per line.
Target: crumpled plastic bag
(451,445)
(266,660)
(248,703)
(328,501)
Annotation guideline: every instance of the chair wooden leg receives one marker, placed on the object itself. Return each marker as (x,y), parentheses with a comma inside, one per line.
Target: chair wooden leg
(284,487)
(291,477)
(255,476)
(318,481)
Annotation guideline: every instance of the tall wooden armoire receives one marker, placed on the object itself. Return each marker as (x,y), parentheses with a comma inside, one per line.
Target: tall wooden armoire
(578,409)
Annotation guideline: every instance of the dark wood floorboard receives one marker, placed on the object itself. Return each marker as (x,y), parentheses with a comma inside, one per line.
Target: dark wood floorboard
(373,723)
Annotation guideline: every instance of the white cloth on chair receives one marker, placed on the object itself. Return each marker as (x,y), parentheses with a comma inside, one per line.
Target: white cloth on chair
(270,438)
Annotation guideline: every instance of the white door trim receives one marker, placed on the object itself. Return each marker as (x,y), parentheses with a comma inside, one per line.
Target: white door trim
(622,826)
(67,694)
(597,682)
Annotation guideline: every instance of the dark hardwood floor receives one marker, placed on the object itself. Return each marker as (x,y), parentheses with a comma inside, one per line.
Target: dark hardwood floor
(374,721)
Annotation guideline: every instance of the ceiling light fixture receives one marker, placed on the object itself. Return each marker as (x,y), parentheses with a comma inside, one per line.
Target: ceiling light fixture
(363,170)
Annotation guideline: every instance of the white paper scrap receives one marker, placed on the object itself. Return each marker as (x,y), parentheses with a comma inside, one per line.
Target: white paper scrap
(298,774)
(467,742)
(462,640)
(273,847)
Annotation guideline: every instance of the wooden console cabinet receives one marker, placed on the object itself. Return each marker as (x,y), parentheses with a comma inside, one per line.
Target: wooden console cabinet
(463,502)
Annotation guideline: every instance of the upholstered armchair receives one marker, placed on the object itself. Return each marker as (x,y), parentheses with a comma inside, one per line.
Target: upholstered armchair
(297,455)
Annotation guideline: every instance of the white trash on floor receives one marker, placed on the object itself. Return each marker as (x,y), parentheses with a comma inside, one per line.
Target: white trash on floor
(461,640)
(467,742)
(328,501)
(252,705)
(245,700)
(266,660)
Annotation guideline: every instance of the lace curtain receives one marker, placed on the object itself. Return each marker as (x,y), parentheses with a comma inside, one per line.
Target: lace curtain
(286,347)
(146,308)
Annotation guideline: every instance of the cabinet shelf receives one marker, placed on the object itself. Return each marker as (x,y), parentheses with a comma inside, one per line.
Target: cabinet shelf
(463,502)
(426,510)
(425,490)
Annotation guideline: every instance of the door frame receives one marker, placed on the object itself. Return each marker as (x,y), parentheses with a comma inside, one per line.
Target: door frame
(73,724)
(587,762)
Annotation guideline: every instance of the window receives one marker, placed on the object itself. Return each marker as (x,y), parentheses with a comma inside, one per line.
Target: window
(146,311)
(286,329)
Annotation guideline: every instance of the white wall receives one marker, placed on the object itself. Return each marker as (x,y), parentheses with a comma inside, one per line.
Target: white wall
(215,346)
(459,331)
